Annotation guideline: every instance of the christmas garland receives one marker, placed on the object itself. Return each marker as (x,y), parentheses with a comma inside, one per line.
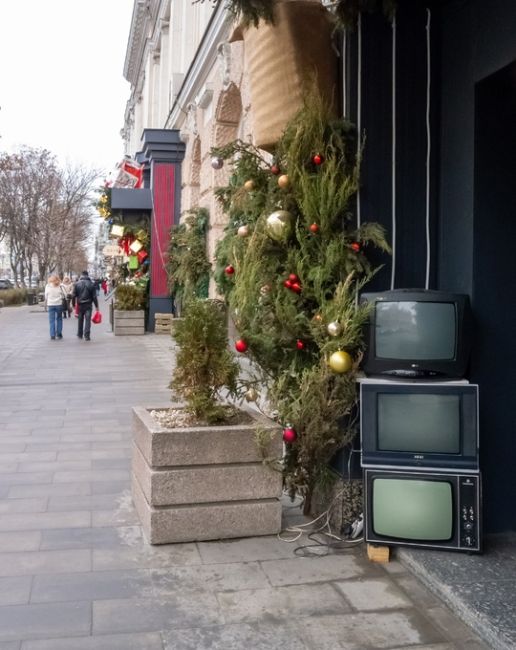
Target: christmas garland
(290,266)
(188,267)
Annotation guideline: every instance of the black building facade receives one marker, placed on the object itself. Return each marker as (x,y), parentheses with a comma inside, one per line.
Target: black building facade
(437,99)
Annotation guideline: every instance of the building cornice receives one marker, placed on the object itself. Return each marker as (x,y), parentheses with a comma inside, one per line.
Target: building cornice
(205,58)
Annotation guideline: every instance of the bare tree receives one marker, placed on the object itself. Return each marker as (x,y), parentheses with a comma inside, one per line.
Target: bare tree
(45,212)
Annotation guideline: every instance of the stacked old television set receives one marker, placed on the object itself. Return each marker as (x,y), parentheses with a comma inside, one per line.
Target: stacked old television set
(419,423)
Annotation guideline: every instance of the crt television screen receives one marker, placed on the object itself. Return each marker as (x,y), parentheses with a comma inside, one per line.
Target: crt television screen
(410,509)
(419,423)
(412,330)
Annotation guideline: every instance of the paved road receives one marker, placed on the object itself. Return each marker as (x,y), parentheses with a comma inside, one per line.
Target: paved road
(75,572)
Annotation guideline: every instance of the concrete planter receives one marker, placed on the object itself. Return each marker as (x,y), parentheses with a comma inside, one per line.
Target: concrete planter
(200,483)
(128,322)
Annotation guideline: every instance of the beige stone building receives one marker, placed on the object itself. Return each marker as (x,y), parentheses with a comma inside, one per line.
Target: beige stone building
(185,75)
(185,64)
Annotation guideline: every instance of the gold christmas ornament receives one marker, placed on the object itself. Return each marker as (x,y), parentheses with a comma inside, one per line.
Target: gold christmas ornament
(265,290)
(279,224)
(340,361)
(249,185)
(251,395)
(334,328)
(283,181)
(243,231)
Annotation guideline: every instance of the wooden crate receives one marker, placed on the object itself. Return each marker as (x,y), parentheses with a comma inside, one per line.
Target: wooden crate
(162,323)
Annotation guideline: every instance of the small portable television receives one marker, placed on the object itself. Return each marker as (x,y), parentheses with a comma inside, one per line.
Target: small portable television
(440,510)
(419,424)
(418,333)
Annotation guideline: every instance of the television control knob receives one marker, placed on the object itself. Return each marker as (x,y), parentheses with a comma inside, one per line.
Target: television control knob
(468,526)
(469,541)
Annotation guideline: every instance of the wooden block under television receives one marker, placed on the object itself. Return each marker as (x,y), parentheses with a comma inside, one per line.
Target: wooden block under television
(380,554)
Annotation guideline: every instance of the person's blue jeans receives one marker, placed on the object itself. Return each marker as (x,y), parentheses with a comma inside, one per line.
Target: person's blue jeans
(55,319)
(84,324)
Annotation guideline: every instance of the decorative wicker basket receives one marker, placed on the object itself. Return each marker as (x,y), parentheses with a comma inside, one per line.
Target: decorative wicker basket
(282,59)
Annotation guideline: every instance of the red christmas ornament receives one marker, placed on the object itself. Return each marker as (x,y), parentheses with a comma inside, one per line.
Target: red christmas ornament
(229,270)
(314,228)
(293,277)
(241,346)
(289,434)
(275,170)
(300,345)
(318,159)
(141,255)
(287,284)
(296,287)
(355,246)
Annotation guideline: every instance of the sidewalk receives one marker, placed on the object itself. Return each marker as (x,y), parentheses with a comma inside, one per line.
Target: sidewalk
(75,572)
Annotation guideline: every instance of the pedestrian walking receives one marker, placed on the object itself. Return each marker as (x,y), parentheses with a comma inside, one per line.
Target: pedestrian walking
(85,296)
(68,289)
(54,296)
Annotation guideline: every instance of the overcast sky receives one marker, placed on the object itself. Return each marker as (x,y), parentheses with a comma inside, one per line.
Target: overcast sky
(61,77)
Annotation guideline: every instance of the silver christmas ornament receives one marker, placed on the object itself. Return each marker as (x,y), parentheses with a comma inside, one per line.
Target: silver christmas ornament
(243,231)
(217,163)
(334,328)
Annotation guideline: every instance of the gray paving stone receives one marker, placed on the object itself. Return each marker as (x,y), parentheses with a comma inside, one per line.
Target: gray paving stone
(28,456)
(215,578)
(91,437)
(260,636)
(26,479)
(370,595)
(368,630)
(145,557)
(42,520)
(10,645)
(280,603)
(118,517)
(109,487)
(8,467)
(94,454)
(244,550)
(14,591)
(49,489)
(57,447)
(145,615)
(111,463)
(89,538)
(36,562)
(99,585)
(455,629)
(315,569)
(11,447)
(36,621)
(87,502)
(61,466)
(20,541)
(23,505)
(92,475)
(150,641)
(419,594)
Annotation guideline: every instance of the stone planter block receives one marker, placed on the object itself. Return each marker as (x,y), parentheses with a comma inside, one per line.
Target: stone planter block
(202,445)
(207,483)
(128,322)
(198,483)
(175,524)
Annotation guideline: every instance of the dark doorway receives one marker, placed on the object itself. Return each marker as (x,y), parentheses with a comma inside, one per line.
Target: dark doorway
(494,293)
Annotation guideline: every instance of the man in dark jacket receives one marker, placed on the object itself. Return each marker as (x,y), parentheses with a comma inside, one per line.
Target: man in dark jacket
(84,295)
